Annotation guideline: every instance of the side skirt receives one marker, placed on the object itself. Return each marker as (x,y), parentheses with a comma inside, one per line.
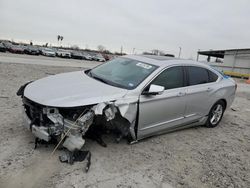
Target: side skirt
(190,124)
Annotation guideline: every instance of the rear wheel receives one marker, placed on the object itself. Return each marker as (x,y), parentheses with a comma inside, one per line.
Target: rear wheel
(215,115)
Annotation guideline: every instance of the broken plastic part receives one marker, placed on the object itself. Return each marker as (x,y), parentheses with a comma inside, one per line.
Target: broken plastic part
(39,141)
(20,91)
(41,132)
(110,112)
(67,157)
(74,142)
(127,108)
(54,115)
(76,156)
(98,109)
(85,121)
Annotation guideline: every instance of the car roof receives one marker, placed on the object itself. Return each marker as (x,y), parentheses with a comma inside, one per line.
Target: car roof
(164,61)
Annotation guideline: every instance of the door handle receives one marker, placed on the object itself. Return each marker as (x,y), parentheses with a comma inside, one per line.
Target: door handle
(181,94)
(209,89)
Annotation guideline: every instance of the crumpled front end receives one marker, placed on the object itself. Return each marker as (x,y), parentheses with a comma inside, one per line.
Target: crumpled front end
(73,124)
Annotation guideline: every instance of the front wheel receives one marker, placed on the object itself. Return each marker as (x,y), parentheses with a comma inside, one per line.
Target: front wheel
(215,115)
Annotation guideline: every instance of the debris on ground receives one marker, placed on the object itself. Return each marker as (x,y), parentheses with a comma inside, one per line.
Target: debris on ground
(233,109)
(76,156)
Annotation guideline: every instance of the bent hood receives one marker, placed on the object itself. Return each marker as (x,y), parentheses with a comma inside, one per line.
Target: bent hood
(71,90)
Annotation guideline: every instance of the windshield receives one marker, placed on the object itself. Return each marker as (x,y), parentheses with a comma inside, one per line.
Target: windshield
(32,48)
(123,72)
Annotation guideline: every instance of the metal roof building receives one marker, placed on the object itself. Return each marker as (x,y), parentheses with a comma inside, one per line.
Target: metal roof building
(236,62)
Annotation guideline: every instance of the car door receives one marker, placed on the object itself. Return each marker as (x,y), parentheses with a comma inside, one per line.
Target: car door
(158,113)
(199,93)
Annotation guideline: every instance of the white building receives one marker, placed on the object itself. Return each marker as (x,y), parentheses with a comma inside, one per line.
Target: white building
(235,62)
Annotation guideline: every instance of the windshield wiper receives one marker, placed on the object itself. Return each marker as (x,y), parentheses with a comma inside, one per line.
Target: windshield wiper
(90,73)
(98,78)
(105,81)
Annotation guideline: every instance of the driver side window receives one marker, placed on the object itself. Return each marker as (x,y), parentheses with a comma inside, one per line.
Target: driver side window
(170,78)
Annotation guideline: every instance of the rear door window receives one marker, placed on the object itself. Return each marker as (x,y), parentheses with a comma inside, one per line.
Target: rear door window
(212,76)
(197,75)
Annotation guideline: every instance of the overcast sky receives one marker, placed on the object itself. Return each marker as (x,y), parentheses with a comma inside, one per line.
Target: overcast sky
(140,24)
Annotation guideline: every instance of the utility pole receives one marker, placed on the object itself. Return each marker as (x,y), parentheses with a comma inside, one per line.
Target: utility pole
(133,52)
(197,58)
(179,52)
(121,50)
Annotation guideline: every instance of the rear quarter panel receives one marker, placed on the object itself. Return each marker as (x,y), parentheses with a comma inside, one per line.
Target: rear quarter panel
(225,90)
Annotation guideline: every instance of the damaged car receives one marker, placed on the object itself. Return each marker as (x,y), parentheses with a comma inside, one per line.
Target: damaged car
(133,96)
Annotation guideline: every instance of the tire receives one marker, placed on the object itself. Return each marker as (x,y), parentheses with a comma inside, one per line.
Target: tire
(215,114)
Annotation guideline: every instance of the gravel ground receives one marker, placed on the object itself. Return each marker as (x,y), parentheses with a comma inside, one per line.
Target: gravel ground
(195,157)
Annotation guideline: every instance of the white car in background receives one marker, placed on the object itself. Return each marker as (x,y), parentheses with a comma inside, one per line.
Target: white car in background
(99,57)
(87,56)
(63,53)
(48,52)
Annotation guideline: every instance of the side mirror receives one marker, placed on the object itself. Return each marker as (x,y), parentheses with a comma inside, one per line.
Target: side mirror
(154,90)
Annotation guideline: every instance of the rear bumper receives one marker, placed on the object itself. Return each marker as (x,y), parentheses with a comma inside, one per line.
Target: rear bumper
(48,54)
(230,100)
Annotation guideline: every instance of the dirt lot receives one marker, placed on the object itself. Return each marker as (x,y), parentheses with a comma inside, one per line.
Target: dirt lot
(42,60)
(195,157)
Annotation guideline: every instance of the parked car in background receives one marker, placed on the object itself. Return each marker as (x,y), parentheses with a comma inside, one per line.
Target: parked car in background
(99,57)
(18,49)
(48,52)
(63,53)
(106,57)
(140,96)
(2,48)
(86,56)
(40,50)
(7,45)
(31,50)
(77,55)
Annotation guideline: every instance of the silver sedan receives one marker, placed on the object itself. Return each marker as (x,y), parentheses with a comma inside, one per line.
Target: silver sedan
(133,96)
